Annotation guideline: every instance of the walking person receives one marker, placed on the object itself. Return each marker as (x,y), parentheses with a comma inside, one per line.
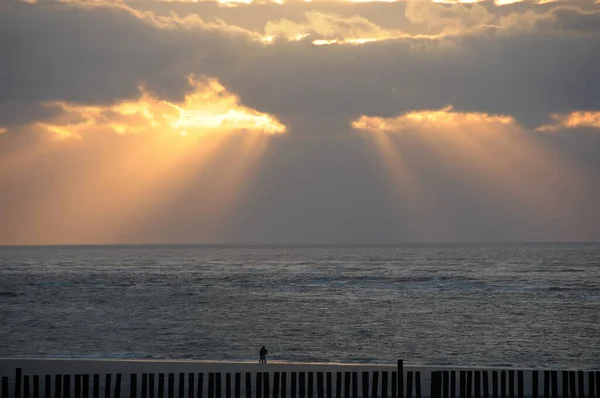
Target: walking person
(263,355)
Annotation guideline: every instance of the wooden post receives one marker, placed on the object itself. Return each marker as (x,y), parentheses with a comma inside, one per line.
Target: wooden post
(409,384)
(511,384)
(470,383)
(77,385)
(85,386)
(453,384)
(572,385)
(354,384)
(227,385)
(418,384)
(494,384)
(5,388)
(18,375)
(258,392)
(445,383)
(276,385)
(329,385)
(463,384)
(171,385)
(161,385)
(238,385)
(365,384)
(200,385)
(535,384)
(347,382)
(400,378)
(375,385)
(48,386)
(36,387)
(181,392)
(144,385)
(547,383)
(26,389)
(597,384)
(310,385)
(266,385)
(486,384)
(320,390)
(248,385)
(133,385)
(477,384)
(591,383)
(554,375)
(293,384)
(580,384)
(301,384)
(211,384)
(118,386)
(384,384)
(520,388)
(503,383)
(107,386)
(218,385)
(191,385)
(394,384)
(338,384)
(283,385)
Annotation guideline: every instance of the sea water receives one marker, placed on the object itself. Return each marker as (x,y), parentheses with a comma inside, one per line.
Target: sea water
(532,305)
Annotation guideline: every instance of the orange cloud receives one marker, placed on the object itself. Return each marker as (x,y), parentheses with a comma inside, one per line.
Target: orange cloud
(209,109)
(573,120)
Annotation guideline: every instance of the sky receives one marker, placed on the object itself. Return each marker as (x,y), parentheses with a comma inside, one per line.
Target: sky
(293,121)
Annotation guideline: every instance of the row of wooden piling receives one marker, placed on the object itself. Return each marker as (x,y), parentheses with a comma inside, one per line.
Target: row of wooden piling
(476,384)
(397,384)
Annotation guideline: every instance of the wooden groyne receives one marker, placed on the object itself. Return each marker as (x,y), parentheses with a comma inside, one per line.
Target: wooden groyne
(463,383)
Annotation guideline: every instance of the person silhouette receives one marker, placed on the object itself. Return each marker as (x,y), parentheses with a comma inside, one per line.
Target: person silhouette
(263,355)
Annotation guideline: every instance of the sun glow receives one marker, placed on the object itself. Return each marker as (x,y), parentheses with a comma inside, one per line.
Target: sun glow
(129,164)
(590,119)
(491,151)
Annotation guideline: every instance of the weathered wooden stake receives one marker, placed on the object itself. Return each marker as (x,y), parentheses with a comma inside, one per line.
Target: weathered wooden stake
(463,384)
(310,385)
(554,376)
(293,384)
(200,385)
(400,378)
(409,384)
(365,384)
(591,384)
(85,382)
(486,384)
(453,384)
(580,384)
(18,375)
(266,385)
(248,385)
(384,384)
(133,385)
(520,388)
(572,385)
(181,392)
(503,383)
(36,387)
(276,385)
(283,385)
(48,386)
(211,384)
(445,383)
(418,384)
(354,384)
(338,384)
(106,386)
(191,385)
(227,385)
(77,386)
(144,385)
(161,385)
(477,384)
(329,384)
(238,385)
(535,384)
(494,384)
(171,385)
(218,385)
(5,388)
(347,382)
(320,388)
(511,384)
(26,389)
(470,383)
(394,384)
(118,386)
(301,384)
(375,385)
(547,379)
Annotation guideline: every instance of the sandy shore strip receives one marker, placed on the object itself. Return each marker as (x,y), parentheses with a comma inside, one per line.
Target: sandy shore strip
(127,367)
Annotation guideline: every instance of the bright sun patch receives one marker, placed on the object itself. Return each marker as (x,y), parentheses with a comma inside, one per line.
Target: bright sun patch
(209,109)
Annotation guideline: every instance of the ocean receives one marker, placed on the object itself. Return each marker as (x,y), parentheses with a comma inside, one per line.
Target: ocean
(522,305)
